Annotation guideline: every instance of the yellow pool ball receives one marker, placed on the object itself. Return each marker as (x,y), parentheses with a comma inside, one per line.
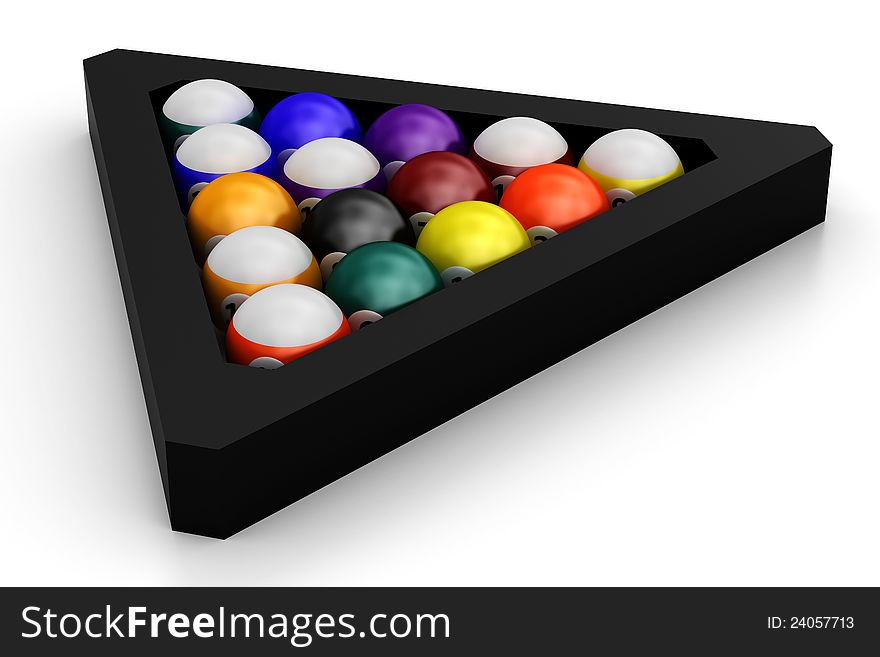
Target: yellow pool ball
(628,163)
(470,236)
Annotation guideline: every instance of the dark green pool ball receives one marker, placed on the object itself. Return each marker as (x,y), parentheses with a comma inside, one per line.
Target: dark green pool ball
(378,278)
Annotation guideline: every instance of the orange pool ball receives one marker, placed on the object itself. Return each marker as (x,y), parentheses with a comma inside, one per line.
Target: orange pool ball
(551,198)
(251,259)
(234,201)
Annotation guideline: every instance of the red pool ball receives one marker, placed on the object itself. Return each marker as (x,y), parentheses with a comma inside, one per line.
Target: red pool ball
(281,323)
(430,182)
(551,198)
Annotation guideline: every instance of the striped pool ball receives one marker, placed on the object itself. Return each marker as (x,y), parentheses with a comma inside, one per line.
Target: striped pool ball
(327,165)
(251,259)
(508,147)
(281,323)
(201,103)
(216,150)
(628,163)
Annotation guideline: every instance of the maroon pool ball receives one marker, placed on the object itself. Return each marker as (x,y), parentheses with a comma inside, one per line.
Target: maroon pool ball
(510,146)
(433,181)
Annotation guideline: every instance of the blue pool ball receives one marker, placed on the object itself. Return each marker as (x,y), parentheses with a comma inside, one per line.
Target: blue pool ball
(304,117)
(216,150)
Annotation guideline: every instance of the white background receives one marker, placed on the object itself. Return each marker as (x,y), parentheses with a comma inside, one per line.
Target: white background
(730,438)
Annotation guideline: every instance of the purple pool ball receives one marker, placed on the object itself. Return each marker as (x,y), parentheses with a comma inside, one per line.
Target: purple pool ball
(324,166)
(406,131)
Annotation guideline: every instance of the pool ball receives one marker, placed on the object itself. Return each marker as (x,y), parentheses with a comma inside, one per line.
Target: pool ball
(304,117)
(432,181)
(234,201)
(281,323)
(470,236)
(551,198)
(350,218)
(508,147)
(205,102)
(376,279)
(405,131)
(628,163)
(216,150)
(324,166)
(251,259)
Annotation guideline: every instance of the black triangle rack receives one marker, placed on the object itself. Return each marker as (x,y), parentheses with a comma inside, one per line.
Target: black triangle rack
(235,444)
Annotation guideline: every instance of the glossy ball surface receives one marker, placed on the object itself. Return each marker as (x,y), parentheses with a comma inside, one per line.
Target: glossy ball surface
(551,198)
(468,237)
(205,102)
(250,259)
(325,166)
(510,146)
(405,131)
(376,279)
(351,218)
(628,163)
(305,117)
(214,151)
(433,181)
(235,201)
(281,323)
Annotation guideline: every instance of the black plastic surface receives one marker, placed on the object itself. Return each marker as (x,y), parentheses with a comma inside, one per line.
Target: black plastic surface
(236,444)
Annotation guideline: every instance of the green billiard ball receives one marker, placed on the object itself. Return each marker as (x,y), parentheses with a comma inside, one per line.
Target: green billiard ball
(201,103)
(378,278)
